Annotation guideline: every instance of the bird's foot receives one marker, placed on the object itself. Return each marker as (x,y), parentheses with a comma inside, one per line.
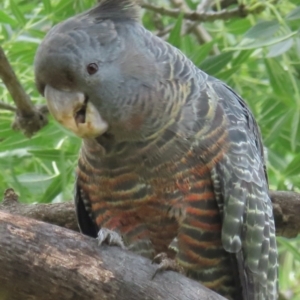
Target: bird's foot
(165,263)
(111,237)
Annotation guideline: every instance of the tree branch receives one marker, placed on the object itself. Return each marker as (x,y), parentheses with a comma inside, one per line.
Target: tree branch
(61,214)
(286,207)
(6,106)
(38,257)
(29,119)
(239,12)
(43,261)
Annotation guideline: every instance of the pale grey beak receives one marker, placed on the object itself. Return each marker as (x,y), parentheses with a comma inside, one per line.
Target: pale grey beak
(75,112)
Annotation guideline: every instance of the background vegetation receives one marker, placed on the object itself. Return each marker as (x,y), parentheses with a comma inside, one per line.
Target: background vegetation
(259,56)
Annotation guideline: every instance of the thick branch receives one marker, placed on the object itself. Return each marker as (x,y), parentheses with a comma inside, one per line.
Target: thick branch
(43,261)
(239,12)
(286,207)
(28,118)
(61,214)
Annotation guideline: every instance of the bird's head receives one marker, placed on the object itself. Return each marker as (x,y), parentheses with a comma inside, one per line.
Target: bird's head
(96,73)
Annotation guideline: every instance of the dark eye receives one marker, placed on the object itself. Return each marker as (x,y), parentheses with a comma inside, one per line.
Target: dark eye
(92,68)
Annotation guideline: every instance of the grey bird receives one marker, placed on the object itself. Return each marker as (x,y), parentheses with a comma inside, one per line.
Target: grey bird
(171,159)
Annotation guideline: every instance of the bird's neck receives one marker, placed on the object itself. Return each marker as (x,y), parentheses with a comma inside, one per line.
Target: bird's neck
(104,152)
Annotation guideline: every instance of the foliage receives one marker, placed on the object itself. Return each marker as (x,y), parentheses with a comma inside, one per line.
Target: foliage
(259,56)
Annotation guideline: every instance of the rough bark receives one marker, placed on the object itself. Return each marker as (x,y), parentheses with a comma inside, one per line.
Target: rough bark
(286,207)
(43,261)
(61,214)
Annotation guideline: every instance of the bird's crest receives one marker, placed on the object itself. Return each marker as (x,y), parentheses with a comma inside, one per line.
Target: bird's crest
(116,10)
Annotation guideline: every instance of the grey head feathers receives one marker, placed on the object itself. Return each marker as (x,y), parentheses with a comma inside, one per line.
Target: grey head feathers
(116,10)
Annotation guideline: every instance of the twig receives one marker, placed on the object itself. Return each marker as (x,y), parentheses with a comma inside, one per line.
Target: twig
(28,118)
(6,106)
(164,31)
(195,27)
(239,12)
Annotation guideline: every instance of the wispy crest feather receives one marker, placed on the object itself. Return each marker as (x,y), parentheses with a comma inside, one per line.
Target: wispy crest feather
(116,10)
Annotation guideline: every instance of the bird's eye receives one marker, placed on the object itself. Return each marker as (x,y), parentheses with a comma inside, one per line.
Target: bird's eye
(92,68)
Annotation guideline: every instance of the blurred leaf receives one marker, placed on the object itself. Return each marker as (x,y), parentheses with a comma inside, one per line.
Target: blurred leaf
(191,4)
(259,43)
(53,154)
(47,5)
(214,64)
(35,183)
(17,13)
(242,57)
(226,74)
(202,52)
(290,247)
(57,185)
(295,129)
(239,26)
(280,48)
(4,18)
(277,126)
(175,34)
(294,14)
(262,30)
(276,160)
(279,80)
(293,168)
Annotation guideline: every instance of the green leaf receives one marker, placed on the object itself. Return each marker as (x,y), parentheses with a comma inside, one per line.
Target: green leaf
(201,53)
(175,34)
(35,183)
(279,80)
(293,168)
(191,4)
(277,126)
(280,48)
(214,64)
(294,14)
(276,160)
(4,18)
(241,58)
(295,129)
(47,6)
(239,26)
(262,30)
(289,247)
(17,13)
(226,74)
(259,43)
(53,154)
(57,185)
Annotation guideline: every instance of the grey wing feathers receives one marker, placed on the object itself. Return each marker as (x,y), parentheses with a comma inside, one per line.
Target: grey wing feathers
(241,188)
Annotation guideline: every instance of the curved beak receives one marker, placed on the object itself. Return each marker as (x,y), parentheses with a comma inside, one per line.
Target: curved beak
(75,112)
